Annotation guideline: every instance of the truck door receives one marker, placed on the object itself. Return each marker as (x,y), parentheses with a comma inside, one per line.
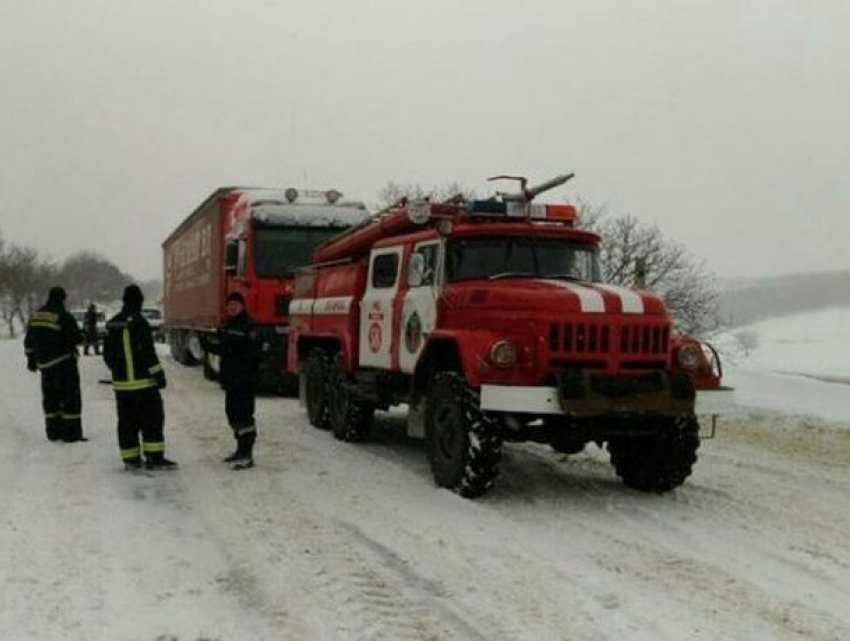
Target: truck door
(376,308)
(419,308)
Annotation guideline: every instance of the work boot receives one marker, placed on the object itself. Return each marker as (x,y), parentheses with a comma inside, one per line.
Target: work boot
(231,457)
(242,464)
(159,463)
(132,464)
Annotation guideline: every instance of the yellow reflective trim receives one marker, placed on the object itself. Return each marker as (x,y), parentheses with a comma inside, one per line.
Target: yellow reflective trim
(155,368)
(53,415)
(158,446)
(53,362)
(71,416)
(45,316)
(128,386)
(133,452)
(128,354)
(46,325)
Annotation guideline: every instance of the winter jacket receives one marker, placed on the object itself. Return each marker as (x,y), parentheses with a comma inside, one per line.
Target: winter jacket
(129,352)
(239,348)
(52,336)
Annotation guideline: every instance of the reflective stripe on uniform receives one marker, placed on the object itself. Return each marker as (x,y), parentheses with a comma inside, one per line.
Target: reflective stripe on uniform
(242,431)
(131,386)
(71,416)
(156,446)
(133,452)
(46,325)
(53,415)
(153,369)
(128,354)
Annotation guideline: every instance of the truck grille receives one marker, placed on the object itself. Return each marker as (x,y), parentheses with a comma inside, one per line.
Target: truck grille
(633,339)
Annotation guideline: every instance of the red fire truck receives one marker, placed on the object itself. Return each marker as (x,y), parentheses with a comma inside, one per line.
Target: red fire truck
(490,320)
(246,240)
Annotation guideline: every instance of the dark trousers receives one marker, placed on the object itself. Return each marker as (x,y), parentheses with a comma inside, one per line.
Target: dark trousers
(61,401)
(140,412)
(239,407)
(92,340)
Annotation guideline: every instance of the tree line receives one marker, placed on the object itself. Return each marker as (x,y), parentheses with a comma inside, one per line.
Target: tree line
(26,275)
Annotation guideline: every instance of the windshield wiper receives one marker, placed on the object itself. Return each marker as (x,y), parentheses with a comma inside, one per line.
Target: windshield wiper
(501,275)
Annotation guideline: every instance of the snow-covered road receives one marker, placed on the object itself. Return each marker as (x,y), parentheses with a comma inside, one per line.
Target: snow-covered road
(326,540)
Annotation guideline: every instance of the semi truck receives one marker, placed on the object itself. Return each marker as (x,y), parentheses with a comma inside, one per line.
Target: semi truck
(247,240)
(490,320)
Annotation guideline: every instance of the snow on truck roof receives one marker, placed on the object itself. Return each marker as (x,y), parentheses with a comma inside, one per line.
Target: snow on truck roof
(303,208)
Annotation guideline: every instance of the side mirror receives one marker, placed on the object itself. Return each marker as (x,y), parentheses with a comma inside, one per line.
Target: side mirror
(416,270)
(231,258)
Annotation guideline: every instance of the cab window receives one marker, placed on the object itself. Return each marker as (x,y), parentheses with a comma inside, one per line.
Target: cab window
(384,271)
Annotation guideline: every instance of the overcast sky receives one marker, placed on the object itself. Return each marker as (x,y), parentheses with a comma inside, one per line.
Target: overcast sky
(725,122)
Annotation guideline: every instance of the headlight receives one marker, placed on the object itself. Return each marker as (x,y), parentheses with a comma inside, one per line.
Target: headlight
(503,354)
(689,356)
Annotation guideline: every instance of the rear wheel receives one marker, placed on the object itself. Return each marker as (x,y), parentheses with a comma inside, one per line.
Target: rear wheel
(317,371)
(464,446)
(350,418)
(658,462)
(212,365)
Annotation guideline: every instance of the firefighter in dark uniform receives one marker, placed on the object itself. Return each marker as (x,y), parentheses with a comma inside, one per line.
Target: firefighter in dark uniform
(51,348)
(239,348)
(137,377)
(90,330)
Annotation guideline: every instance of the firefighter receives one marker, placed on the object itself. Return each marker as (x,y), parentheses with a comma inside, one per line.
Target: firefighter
(90,330)
(239,347)
(137,377)
(51,348)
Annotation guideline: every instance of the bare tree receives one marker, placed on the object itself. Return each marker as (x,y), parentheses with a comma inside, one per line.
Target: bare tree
(88,277)
(19,270)
(638,255)
(392,192)
(747,339)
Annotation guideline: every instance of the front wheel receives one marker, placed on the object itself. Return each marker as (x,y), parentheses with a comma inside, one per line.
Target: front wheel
(464,446)
(317,371)
(350,418)
(660,461)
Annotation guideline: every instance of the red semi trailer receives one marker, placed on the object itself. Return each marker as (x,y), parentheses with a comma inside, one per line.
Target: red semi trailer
(248,240)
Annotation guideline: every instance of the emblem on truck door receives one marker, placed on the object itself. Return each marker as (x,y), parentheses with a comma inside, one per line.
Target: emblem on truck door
(375,338)
(413,333)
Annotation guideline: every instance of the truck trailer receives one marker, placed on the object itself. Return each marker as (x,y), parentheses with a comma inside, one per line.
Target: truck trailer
(247,240)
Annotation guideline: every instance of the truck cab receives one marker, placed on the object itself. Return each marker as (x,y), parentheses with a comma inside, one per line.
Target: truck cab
(490,320)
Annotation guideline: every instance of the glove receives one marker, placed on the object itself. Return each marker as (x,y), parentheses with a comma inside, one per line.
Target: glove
(160,381)
(31,365)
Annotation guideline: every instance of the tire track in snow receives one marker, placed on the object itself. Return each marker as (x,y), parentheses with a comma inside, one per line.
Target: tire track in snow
(319,558)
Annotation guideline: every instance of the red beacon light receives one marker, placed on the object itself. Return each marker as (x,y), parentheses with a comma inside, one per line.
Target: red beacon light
(563,212)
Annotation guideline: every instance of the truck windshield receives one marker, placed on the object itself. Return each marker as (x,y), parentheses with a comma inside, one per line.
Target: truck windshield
(521,257)
(278,251)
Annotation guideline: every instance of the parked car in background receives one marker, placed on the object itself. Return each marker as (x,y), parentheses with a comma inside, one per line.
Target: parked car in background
(80,316)
(154,317)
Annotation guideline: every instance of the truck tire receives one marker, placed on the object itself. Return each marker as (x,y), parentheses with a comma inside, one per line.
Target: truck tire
(211,366)
(464,446)
(317,371)
(350,418)
(659,462)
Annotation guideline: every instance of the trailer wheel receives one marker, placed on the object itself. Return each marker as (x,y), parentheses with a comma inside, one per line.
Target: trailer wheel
(212,364)
(350,418)
(317,370)
(464,446)
(658,462)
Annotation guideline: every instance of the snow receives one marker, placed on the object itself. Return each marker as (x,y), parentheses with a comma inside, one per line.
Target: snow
(327,540)
(801,365)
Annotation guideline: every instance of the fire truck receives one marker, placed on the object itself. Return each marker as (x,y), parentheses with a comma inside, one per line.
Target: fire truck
(247,240)
(489,319)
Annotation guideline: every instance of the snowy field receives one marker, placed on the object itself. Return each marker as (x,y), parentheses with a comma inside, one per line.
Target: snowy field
(326,540)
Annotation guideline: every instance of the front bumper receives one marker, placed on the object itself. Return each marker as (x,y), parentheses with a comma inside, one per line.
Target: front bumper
(545,400)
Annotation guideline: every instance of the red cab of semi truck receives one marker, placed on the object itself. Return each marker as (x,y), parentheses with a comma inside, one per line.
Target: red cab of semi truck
(490,320)
(247,240)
